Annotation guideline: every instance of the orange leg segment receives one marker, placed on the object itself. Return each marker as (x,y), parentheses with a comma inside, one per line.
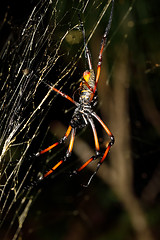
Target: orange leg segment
(85,164)
(53,169)
(102,123)
(105,154)
(49,148)
(69,151)
(95,134)
(71,142)
(64,95)
(57,143)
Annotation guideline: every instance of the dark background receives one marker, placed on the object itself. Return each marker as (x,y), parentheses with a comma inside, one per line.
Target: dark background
(122,201)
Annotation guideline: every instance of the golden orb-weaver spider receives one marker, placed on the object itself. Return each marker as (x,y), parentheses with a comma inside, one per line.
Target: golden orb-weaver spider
(83,113)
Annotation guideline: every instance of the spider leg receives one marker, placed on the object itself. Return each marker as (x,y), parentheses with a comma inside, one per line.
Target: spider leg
(108,147)
(69,151)
(104,155)
(103,43)
(69,128)
(87,52)
(63,139)
(96,146)
(52,169)
(95,135)
(85,164)
(99,163)
(68,154)
(109,134)
(64,95)
(104,126)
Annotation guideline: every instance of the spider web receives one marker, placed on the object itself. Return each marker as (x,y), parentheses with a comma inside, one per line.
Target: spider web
(44,49)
